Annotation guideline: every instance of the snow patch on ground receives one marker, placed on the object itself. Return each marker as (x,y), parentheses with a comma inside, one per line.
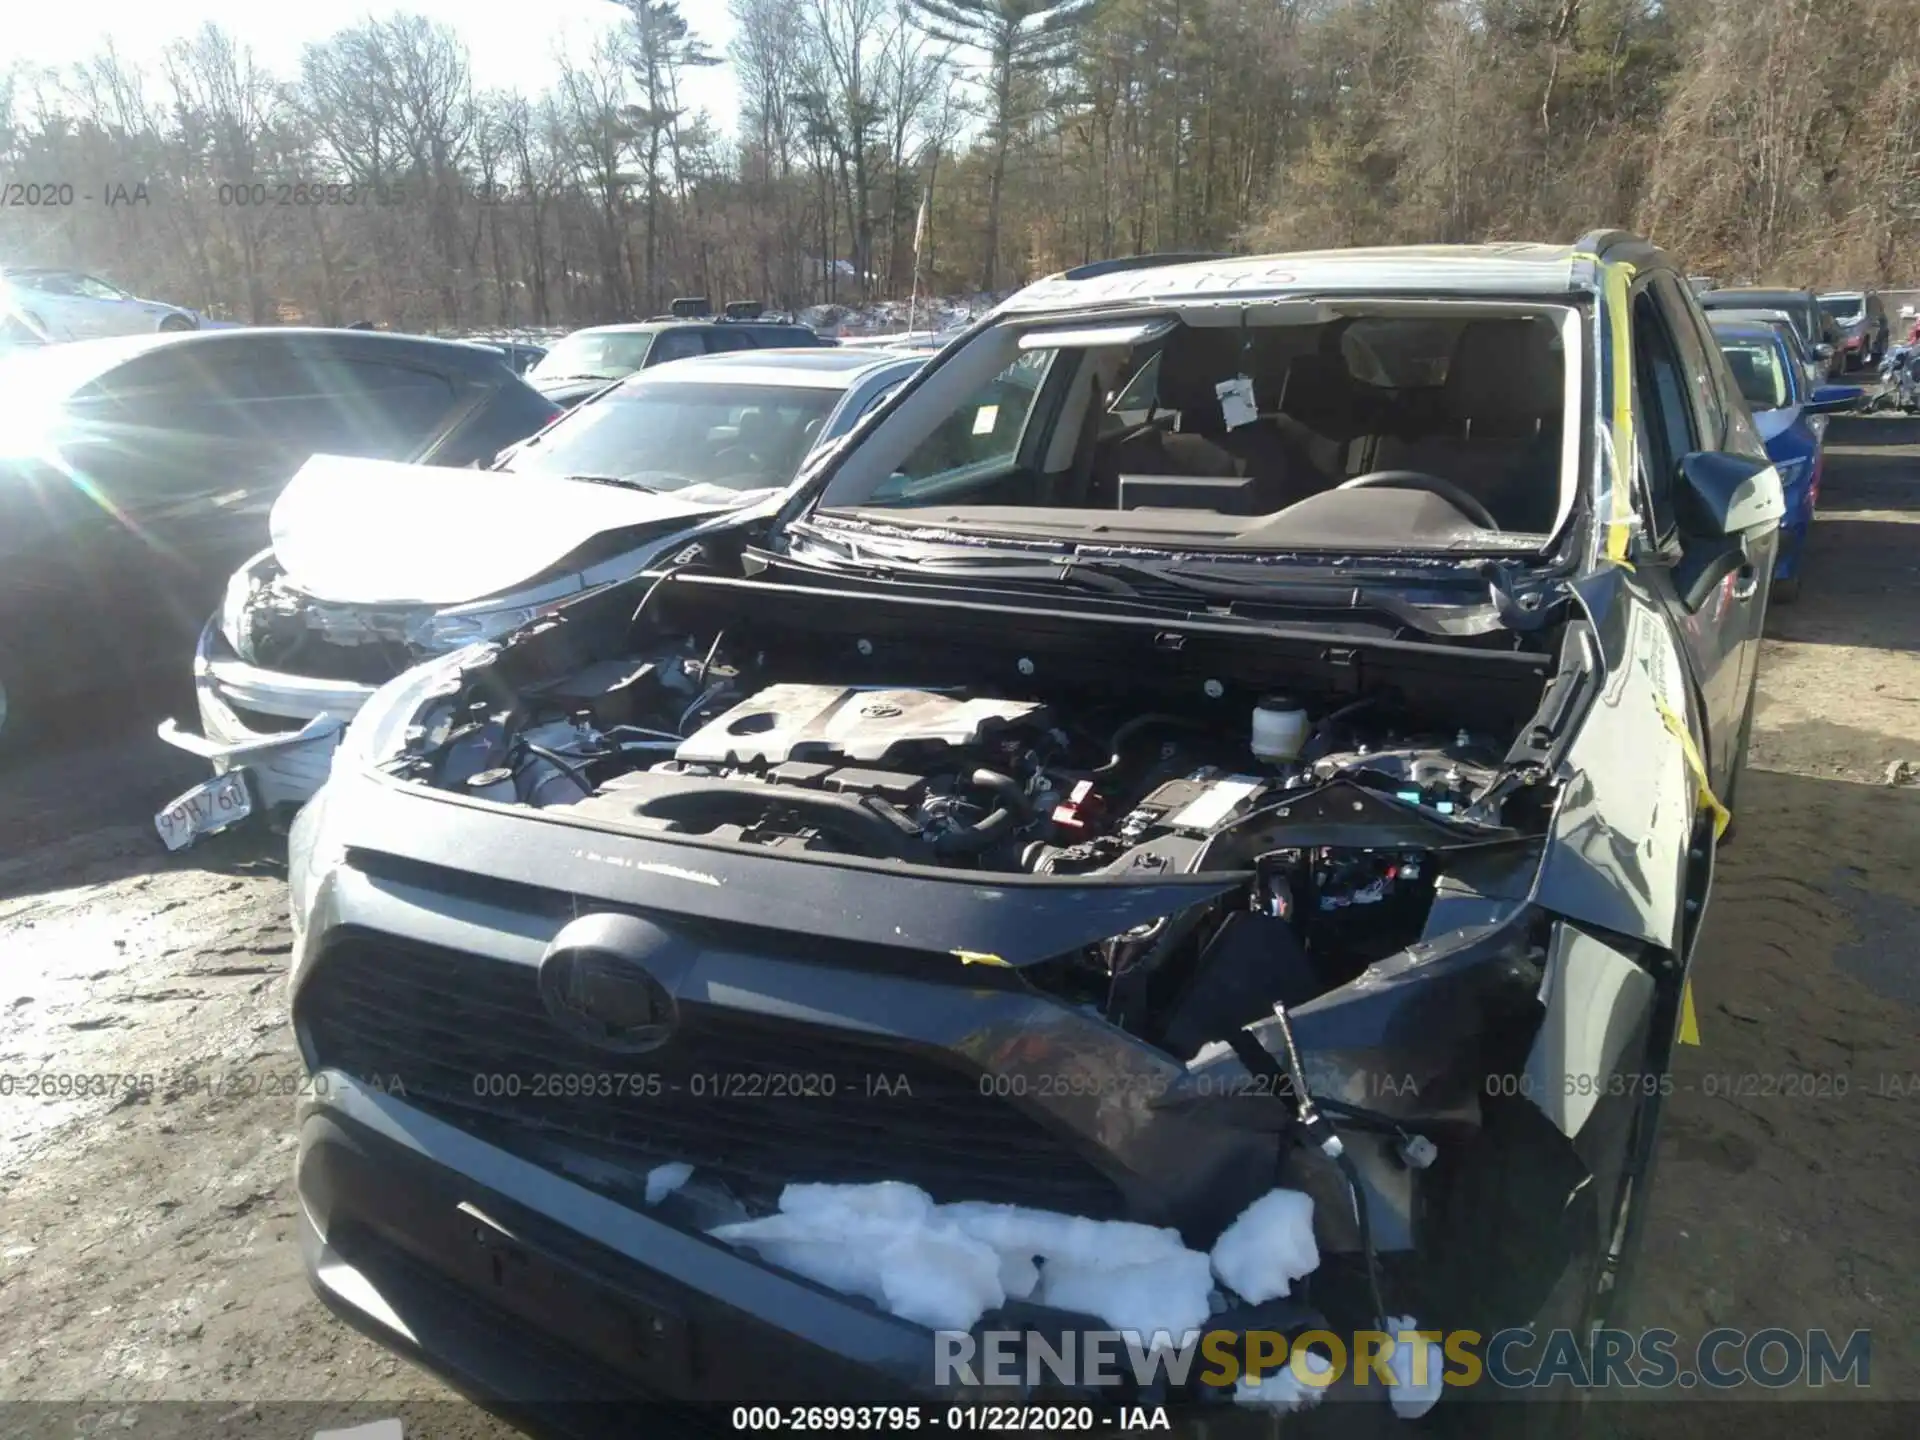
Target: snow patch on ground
(886,317)
(944,1266)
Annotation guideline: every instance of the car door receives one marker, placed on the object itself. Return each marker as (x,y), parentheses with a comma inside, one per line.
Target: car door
(109,310)
(1680,409)
(169,462)
(50,297)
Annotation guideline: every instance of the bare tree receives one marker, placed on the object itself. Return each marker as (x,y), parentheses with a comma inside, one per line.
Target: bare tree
(1021,39)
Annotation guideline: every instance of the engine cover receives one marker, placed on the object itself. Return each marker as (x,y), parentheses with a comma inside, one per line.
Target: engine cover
(798,722)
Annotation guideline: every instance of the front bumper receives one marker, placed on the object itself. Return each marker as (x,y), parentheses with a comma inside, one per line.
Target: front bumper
(522,1288)
(504,1247)
(281,729)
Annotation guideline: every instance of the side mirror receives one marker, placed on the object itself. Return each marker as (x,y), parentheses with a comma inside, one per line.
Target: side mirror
(1722,494)
(1829,399)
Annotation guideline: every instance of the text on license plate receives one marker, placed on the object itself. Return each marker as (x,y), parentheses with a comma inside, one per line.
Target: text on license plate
(212,805)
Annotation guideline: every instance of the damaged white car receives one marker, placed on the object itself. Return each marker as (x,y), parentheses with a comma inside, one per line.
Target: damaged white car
(377,566)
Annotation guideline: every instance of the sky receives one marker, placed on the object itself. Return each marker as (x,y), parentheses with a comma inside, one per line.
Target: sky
(514,46)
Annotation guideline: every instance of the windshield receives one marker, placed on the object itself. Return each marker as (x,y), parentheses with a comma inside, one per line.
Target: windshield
(1240,437)
(686,438)
(1845,307)
(1757,369)
(613,354)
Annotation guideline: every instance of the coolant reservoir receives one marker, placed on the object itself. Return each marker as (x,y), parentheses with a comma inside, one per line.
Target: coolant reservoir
(1279,730)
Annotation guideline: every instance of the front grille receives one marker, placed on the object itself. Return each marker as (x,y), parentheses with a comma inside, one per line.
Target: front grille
(774,1101)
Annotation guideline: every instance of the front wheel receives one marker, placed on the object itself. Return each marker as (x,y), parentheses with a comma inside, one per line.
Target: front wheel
(176,323)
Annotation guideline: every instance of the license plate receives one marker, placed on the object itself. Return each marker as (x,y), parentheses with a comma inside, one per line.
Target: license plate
(214,805)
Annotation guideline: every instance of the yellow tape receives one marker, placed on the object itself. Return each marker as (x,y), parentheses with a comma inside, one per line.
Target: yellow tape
(1689,1025)
(1702,787)
(1617,279)
(978,957)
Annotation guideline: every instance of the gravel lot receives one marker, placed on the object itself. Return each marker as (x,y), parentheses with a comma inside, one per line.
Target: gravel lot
(146,1247)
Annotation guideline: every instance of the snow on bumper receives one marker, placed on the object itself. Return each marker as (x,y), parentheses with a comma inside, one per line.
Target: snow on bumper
(281,729)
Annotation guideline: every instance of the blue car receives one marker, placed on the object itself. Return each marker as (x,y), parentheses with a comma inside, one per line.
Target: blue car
(1790,416)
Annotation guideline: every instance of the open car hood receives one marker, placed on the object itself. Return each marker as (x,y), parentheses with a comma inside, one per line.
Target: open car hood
(378,532)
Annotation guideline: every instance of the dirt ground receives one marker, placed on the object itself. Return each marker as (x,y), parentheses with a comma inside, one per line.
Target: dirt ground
(146,1244)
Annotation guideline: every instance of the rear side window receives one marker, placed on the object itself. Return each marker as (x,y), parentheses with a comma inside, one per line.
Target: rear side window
(323,403)
(719,341)
(782,337)
(675,345)
(387,410)
(1696,350)
(509,415)
(1663,410)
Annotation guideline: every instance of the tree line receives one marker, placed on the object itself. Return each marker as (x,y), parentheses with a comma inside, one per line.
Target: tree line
(964,146)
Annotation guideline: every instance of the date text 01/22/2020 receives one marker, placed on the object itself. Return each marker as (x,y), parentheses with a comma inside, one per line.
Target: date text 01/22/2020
(1011,1419)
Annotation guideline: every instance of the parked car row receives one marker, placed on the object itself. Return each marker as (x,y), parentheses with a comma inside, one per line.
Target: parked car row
(1224,681)
(1789,412)
(589,360)
(1842,330)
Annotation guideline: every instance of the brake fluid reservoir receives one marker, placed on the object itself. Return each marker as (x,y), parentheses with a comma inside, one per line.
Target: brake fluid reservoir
(1279,730)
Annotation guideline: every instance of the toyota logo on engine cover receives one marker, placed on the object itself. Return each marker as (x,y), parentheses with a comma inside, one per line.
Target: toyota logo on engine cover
(598,986)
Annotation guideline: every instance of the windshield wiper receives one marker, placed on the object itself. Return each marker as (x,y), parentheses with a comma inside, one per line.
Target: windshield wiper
(1126,578)
(586,375)
(620,480)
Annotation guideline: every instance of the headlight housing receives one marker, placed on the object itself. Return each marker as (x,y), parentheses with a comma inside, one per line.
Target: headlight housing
(378,731)
(234,623)
(448,630)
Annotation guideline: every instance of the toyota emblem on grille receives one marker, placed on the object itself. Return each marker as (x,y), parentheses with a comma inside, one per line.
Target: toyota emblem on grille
(880,710)
(599,989)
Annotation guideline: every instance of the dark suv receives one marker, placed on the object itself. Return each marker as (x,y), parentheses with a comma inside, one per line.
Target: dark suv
(1213,704)
(589,359)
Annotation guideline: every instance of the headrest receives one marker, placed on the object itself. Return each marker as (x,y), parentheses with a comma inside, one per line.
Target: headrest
(1505,372)
(1322,394)
(758,425)
(1747,374)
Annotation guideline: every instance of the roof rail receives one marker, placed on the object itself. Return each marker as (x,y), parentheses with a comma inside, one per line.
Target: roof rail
(1141,262)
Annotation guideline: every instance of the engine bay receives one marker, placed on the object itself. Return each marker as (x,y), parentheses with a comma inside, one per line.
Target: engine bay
(1339,818)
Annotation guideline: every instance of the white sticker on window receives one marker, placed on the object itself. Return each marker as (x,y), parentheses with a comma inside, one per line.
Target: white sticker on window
(983,419)
(1236,401)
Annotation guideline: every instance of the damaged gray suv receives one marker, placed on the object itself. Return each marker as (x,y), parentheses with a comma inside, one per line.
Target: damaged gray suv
(1194,818)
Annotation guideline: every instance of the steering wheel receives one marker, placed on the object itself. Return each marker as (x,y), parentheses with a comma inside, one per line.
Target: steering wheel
(1432,484)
